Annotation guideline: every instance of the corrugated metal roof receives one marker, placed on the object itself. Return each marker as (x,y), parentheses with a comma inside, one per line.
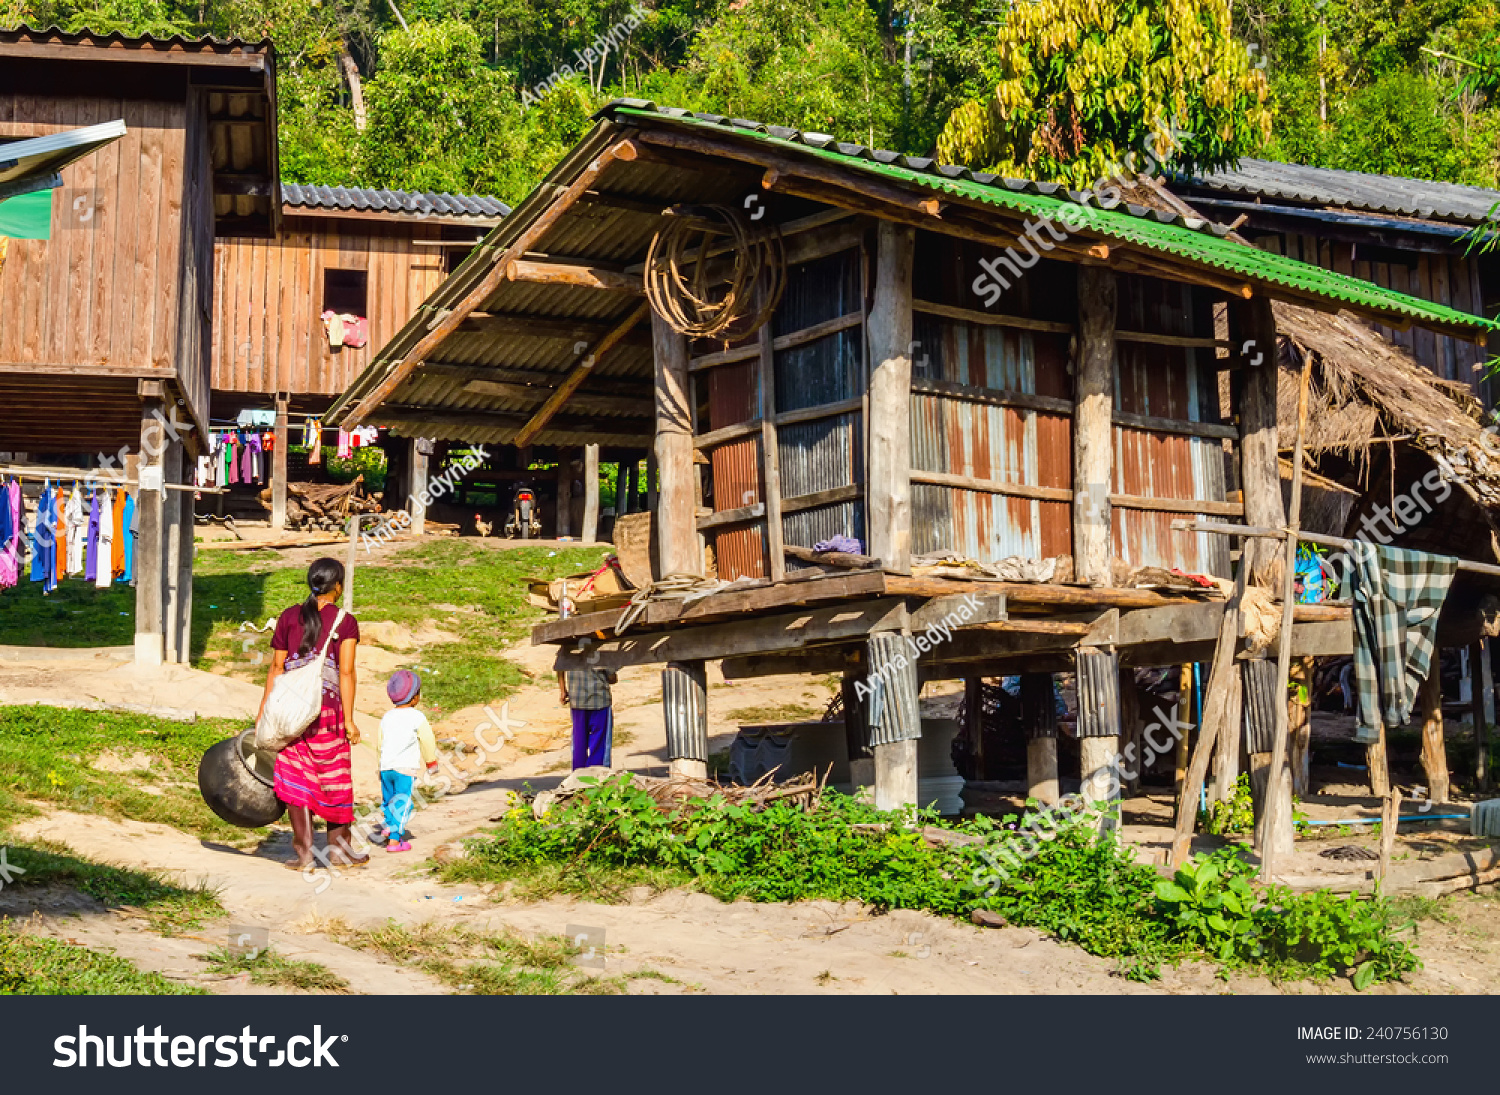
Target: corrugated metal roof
(1196,241)
(175,44)
(413,203)
(1353,190)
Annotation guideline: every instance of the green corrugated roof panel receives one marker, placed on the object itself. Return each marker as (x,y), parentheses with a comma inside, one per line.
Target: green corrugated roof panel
(1146,230)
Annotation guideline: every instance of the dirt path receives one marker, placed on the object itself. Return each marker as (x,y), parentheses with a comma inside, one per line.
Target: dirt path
(701,944)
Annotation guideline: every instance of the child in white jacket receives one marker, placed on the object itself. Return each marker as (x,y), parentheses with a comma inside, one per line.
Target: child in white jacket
(405,744)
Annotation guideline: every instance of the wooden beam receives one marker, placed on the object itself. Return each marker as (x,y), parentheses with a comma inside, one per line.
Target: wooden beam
(524,242)
(770,457)
(1434,748)
(1093,435)
(1260,470)
(563,330)
(590,529)
(149,559)
(765,635)
(580,373)
(889,329)
(995,397)
(675,520)
(279,466)
(991,319)
(1482,693)
(1174,425)
(991,486)
(588,277)
(420,418)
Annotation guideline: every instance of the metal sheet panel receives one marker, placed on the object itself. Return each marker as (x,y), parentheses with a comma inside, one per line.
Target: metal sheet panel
(809,526)
(1098,693)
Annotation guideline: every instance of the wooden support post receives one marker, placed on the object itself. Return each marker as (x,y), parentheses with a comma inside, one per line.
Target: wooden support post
(1260,470)
(770,459)
(895,721)
(1226,767)
(1099,728)
(1093,426)
(625,488)
(1184,715)
(1222,680)
(590,530)
(1131,753)
(1299,723)
(676,513)
(149,562)
(278,467)
(171,551)
(857,734)
(1434,748)
(684,697)
(1390,822)
(974,723)
(1484,709)
(1039,714)
(185,551)
(889,327)
(418,465)
(1259,697)
(564,492)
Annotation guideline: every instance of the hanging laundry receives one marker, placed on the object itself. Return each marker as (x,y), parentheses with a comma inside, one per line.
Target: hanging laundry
(333,325)
(44,541)
(60,564)
(132,532)
(91,552)
(117,538)
(356,330)
(78,530)
(104,566)
(345,445)
(1397,597)
(10,534)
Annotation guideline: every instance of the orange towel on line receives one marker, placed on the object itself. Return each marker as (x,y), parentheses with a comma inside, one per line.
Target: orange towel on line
(62,541)
(117,549)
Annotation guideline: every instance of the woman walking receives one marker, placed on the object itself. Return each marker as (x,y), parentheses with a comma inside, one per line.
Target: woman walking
(314,774)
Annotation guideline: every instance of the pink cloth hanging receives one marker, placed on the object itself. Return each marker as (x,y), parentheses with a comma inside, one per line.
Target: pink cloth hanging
(10,554)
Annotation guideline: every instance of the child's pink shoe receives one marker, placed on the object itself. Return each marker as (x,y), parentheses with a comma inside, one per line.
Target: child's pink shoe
(399,846)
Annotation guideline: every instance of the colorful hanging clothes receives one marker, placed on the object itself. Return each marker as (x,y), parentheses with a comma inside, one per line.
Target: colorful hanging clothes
(132,530)
(60,568)
(117,539)
(91,552)
(78,529)
(345,445)
(10,534)
(44,541)
(103,569)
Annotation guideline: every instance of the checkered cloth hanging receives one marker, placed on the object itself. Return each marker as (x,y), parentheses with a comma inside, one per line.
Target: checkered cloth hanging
(1397,597)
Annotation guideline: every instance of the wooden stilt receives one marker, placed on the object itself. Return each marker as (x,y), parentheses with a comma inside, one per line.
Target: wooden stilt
(1434,748)
(1380,779)
(1484,709)
(675,510)
(1130,733)
(1039,713)
(417,462)
(590,531)
(1390,821)
(857,733)
(564,492)
(1093,425)
(1098,674)
(684,697)
(172,511)
(888,506)
(1299,722)
(278,466)
(148,560)
(1184,715)
(974,723)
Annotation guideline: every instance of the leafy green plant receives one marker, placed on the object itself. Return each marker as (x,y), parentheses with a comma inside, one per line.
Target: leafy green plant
(1233,815)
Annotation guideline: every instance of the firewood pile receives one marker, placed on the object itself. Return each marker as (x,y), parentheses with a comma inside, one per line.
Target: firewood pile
(324,506)
(674,792)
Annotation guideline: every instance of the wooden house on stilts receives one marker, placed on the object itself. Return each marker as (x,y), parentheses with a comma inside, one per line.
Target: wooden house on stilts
(993,397)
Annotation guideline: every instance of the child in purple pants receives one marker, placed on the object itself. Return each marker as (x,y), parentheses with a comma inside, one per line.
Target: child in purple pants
(586,691)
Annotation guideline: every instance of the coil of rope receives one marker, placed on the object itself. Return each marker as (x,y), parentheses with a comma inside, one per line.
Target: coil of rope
(672,587)
(680,278)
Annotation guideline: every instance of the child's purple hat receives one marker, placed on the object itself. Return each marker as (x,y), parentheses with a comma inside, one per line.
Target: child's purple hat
(403,685)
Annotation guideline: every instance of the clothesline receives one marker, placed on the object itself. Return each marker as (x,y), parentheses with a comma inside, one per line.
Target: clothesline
(78,475)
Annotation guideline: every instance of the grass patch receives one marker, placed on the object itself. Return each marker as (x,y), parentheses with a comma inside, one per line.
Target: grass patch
(482,963)
(169,909)
(32,965)
(266,967)
(1067,881)
(47,754)
(775,713)
(233,587)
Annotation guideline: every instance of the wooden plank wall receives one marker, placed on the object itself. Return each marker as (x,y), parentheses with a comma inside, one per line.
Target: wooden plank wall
(102,293)
(268,296)
(1443,279)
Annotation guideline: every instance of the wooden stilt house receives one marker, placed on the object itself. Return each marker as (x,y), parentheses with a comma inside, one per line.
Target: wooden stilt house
(107,324)
(1004,393)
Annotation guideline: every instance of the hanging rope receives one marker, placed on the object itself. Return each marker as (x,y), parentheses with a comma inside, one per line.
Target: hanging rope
(729,299)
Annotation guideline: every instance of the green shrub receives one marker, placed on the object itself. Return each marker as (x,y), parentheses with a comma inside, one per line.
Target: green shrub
(1235,815)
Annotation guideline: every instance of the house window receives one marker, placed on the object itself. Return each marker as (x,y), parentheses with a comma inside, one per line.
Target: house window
(345,292)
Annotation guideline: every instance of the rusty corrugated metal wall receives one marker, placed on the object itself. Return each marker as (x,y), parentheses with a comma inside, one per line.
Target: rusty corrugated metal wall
(1166,382)
(734,397)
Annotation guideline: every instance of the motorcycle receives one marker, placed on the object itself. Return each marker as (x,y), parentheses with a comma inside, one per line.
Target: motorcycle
(523,520)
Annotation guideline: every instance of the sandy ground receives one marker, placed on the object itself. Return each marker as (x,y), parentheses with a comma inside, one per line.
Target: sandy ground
(703,944)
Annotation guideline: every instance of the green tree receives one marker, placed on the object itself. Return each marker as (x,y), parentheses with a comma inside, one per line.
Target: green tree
(1082,84)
